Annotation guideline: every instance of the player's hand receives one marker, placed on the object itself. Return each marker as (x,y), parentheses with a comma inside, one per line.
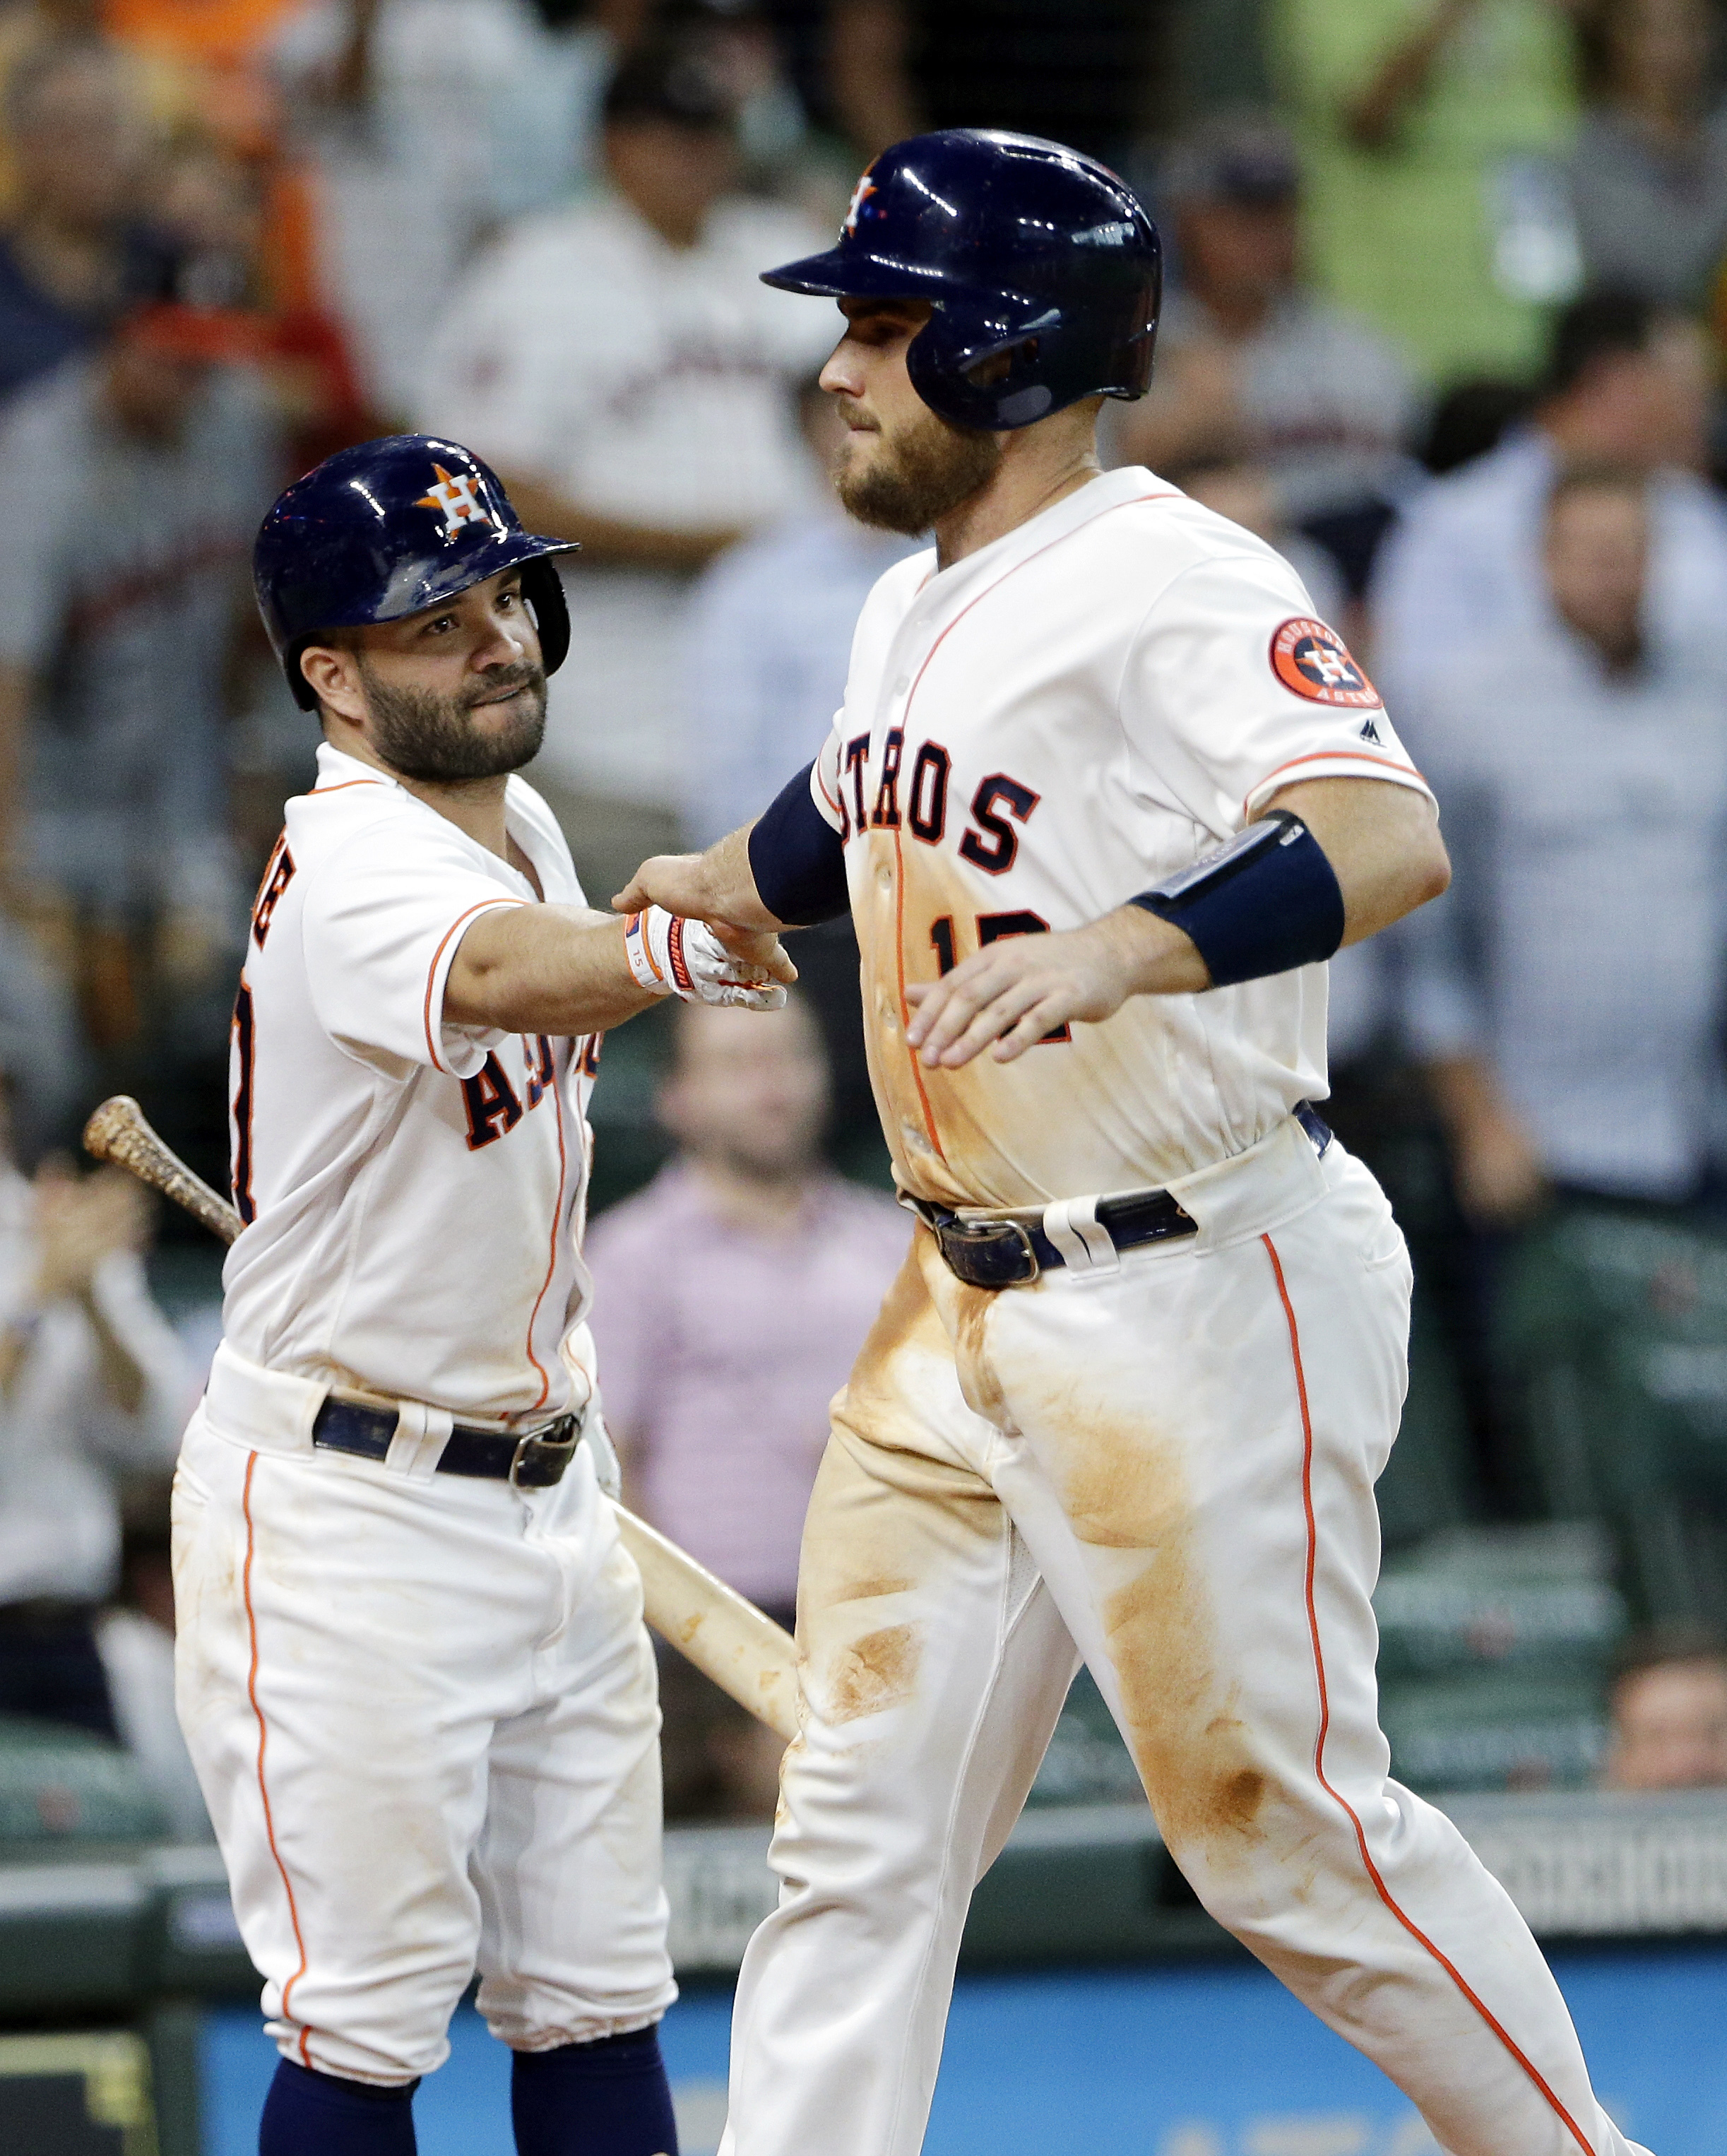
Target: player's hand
(1009,995)
(677,882)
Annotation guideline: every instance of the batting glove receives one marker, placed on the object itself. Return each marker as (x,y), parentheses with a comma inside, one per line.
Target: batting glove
(669,956)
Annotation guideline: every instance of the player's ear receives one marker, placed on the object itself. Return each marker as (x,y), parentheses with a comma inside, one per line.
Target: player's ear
(333,677)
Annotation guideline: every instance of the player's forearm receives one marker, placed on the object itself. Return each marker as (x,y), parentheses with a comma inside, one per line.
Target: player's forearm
(1371,118)
(718,885)
(556,969)
(1382,841)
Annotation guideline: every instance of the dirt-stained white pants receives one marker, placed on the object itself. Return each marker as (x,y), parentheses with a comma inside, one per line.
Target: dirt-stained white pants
(423,1714)
(1167,1463)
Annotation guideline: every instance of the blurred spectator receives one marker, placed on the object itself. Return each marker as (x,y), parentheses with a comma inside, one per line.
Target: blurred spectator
(1083,72)
(135,1638)
(1625,383)
(1567,992)
(769,642)
(1668,1704)
(130,486)
(1469,419)
(41,1055)
(73,253)
(1649,171)
(401,199)
(730,1298)
(92,1382)
(1253,365)
(621,363)
(1432,133)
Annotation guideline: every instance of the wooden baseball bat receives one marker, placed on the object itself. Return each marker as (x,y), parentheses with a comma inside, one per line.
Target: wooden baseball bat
(729,1639)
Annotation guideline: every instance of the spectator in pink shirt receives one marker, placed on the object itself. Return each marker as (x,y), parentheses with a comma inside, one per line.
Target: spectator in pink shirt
(732,1297)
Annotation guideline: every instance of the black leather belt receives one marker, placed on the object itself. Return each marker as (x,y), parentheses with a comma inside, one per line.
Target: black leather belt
(533,1462)
(1013,1253)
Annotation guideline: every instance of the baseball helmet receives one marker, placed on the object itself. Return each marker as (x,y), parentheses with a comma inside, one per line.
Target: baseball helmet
(1023,248)
(388,529)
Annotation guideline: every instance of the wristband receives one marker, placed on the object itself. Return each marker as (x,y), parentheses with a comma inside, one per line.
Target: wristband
(654,947)
(1268,902)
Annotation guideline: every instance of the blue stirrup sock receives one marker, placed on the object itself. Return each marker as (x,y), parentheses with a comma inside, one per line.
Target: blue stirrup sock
(607,2098)
(311,2114)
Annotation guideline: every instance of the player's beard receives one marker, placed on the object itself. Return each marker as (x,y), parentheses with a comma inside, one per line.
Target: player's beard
(924,471)
(434,738)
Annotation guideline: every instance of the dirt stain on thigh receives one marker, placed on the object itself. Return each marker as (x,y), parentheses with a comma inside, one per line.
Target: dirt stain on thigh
(1125,1489)
(884,1517)
(874,1672)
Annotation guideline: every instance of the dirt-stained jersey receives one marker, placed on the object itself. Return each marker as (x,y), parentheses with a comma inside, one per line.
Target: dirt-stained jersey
(411,1190)
(1028,738)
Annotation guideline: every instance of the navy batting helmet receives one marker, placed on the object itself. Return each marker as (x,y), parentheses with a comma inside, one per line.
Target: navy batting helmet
(1023,248)
(388,529)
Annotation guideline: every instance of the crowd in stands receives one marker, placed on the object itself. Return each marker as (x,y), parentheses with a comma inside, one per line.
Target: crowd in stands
(1446,324)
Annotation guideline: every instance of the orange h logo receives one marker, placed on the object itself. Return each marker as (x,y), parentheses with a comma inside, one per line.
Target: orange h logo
(454,498)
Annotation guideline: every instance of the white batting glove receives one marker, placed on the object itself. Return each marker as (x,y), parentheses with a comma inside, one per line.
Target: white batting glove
(669,956)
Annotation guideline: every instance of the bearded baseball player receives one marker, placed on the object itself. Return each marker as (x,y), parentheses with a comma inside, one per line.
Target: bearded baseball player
(412,1667)
(1103,797)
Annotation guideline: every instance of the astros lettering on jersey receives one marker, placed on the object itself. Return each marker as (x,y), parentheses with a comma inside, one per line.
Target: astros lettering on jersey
(1084,707)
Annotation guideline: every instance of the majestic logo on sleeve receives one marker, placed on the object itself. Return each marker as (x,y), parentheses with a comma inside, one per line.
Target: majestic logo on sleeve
(1314,662)
(453,497)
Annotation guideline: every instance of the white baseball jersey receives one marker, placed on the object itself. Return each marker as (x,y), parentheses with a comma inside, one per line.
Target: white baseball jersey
(1161,1458)
(412,1190)
(1028,738)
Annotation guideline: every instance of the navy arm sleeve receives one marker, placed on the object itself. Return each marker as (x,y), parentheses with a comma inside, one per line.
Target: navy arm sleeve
(798,858)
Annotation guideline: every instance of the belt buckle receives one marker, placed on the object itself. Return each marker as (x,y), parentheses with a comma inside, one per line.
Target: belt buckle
(548,1455)
(976,1237)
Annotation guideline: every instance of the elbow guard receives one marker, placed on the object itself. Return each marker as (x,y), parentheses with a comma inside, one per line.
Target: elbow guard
(1268,902)
(798,858)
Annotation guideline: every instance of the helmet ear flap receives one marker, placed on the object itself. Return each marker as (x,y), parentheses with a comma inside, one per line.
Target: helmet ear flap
(981,392)
(543,589)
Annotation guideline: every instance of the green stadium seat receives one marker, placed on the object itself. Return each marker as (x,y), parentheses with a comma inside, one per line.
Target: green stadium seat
(1493,1649)
(58,1784)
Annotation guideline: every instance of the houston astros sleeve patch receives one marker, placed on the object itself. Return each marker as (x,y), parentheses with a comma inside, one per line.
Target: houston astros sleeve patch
(1315,661)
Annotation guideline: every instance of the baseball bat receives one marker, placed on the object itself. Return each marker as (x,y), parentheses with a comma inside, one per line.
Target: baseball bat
(728,1639)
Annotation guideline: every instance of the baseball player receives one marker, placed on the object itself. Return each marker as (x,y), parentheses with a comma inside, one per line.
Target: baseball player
(1104,796)
(412,1669)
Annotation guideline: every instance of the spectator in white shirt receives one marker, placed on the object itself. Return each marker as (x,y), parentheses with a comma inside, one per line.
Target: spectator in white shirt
(622,366)
(1567,994)
(92,1384)
(1626,382)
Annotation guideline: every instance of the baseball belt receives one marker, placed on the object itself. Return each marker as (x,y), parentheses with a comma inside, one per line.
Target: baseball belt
(1011,1252)
(531,1460)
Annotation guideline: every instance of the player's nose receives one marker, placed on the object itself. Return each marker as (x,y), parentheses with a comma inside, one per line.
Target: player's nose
(840,376)
(510,639)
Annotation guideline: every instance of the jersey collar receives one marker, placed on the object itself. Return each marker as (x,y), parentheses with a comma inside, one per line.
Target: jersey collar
(1111,490)
(336,768)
